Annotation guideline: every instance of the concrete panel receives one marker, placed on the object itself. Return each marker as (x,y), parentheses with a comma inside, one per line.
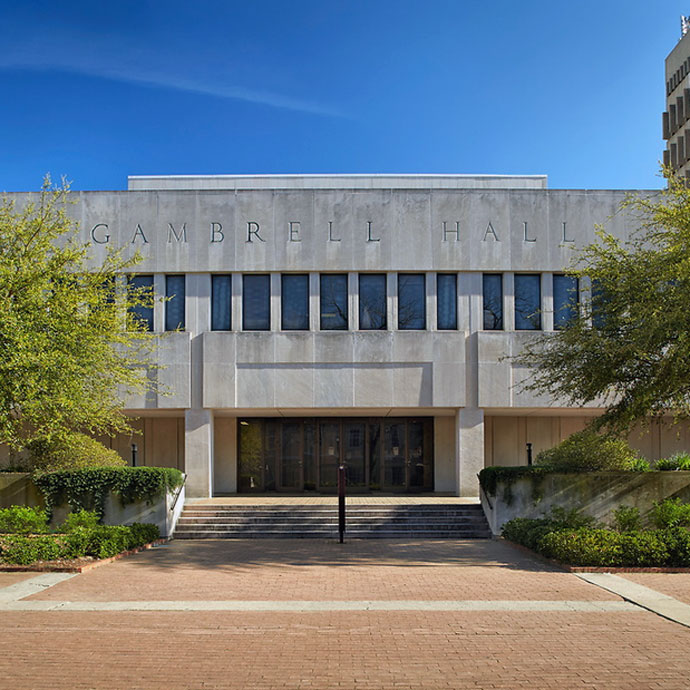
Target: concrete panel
(445,478)
(293,385)
(373,386)
(334,386)
(224,455)
(412,385)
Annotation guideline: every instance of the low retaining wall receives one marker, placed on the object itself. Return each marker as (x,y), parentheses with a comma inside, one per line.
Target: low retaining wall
(163,512)
(17,489)
(594,493)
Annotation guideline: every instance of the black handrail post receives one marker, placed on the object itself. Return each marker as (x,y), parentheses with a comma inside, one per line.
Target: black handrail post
(341,502)
(529,455)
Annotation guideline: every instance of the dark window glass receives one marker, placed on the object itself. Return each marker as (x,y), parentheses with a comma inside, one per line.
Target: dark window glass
(333,288)
(256,302)
(294,302)
(372,301)
(598,301)
(143,314)
(174,306)
(565,300)
(221,303)
(528,302)
(492,284)
(447,301)
(411,301)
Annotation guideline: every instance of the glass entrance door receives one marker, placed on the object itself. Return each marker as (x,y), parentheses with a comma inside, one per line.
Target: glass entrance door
(391,454)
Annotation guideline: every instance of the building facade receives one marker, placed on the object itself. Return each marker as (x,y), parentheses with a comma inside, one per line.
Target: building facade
(675,119)
(364,320)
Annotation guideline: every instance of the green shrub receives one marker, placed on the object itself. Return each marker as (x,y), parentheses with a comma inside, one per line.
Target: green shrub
(100,541)
(529,531)
(490,477)
(678,544)
(73,452)
(82,518)
(627,519)
(640,465)
(679,461)
(24,550)
(587,451)
(594,547)
(23,520)
(644,549)
(87,489)
(670,513)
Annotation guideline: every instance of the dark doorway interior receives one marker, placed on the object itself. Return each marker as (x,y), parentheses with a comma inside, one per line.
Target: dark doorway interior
(393,454)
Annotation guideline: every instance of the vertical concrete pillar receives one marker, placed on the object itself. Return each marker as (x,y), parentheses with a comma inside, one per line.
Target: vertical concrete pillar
(469,449)
(159,305)
(275,302)
(198,452)
(314,302)
(353,300)
(547,301)
(392,301)
(431,301)
(509,301)
(236,319)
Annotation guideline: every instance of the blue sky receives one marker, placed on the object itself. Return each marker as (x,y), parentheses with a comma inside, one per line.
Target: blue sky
(96,91)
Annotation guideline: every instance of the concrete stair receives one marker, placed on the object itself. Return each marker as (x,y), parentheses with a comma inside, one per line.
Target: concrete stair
(420,521)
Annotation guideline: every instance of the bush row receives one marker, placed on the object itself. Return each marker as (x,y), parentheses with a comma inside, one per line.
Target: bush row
(100,541)
(576,540)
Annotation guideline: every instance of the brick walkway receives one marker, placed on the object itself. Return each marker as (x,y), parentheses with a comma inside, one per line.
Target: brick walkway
(517,642)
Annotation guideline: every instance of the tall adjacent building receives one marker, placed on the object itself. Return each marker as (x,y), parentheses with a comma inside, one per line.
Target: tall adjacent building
(676,117)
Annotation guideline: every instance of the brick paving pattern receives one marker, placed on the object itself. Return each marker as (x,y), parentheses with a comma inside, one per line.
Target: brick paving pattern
(676,585)
(352,650)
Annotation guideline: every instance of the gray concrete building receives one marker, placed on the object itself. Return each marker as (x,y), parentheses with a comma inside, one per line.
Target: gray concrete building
(314,320)
(675,119)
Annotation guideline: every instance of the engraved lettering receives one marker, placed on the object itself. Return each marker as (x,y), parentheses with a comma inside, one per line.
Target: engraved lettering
(105,238)
(253,229)
(140,233)
(330,233)
(293,231)
(525,235)
(490,231)
(565,237)
(447,232)
(181,237)
(369,237)
(217,234)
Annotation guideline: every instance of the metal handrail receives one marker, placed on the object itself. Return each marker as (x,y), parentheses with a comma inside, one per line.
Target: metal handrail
(179,491)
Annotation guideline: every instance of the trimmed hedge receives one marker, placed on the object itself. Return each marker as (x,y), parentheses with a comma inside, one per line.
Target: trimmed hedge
(591,546)
(87,489)
(101,541)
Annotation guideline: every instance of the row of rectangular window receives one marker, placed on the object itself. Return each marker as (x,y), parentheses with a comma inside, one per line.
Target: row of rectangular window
(373,301)
(527,295)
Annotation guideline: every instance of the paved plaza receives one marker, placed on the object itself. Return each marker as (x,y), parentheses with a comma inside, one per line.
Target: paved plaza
(363,615)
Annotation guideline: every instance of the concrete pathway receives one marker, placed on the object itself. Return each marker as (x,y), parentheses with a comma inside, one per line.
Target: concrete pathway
(373,615)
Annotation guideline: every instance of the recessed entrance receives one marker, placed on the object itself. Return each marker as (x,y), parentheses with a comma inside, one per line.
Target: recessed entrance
(303,454)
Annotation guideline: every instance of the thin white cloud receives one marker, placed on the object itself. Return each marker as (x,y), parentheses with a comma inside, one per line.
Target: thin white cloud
(147,68)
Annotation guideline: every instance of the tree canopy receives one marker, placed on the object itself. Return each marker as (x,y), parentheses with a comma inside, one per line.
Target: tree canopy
(69,348)
(627,347)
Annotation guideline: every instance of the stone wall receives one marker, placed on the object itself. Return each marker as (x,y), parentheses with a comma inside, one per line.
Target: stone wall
(597,494)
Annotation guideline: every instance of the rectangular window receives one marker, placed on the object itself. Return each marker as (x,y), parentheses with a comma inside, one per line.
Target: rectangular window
(447,301)
(565,300)
(333,302)
(256,302)
(174,305)
(221,303)
(294,301)
(492,284)
(142,314)
(411,301)
(373,302)
(527,302)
